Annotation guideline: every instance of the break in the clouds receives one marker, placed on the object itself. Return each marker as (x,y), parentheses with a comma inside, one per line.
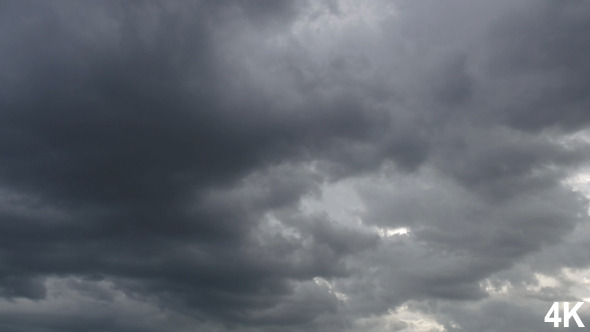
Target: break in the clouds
(293,165)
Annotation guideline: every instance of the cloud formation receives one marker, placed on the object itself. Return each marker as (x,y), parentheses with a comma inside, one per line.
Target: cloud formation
(292,166)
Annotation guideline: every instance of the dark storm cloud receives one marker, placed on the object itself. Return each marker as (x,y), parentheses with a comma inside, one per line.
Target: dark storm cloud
(118,123)
(155,157)
(544,65)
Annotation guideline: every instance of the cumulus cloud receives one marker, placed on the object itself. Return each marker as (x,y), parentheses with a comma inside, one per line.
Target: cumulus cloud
(292,166)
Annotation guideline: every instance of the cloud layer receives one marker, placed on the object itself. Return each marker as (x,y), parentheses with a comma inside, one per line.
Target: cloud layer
(292,166)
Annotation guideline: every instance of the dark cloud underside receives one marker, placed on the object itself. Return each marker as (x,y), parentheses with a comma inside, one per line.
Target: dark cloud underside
(157,161)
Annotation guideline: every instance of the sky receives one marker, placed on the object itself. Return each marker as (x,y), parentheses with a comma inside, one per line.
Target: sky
(274,165)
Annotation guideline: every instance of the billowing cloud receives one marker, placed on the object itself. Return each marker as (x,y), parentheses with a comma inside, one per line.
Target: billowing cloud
(292,166)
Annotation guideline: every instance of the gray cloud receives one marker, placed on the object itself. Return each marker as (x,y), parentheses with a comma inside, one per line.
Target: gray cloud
(159,160)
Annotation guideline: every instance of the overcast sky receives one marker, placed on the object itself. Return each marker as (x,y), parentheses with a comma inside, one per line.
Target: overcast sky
(273,165)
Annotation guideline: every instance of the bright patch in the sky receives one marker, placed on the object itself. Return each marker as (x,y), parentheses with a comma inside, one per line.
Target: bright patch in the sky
(493,288)
(389,232)
(339,201)
(402,319)
(323,282)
